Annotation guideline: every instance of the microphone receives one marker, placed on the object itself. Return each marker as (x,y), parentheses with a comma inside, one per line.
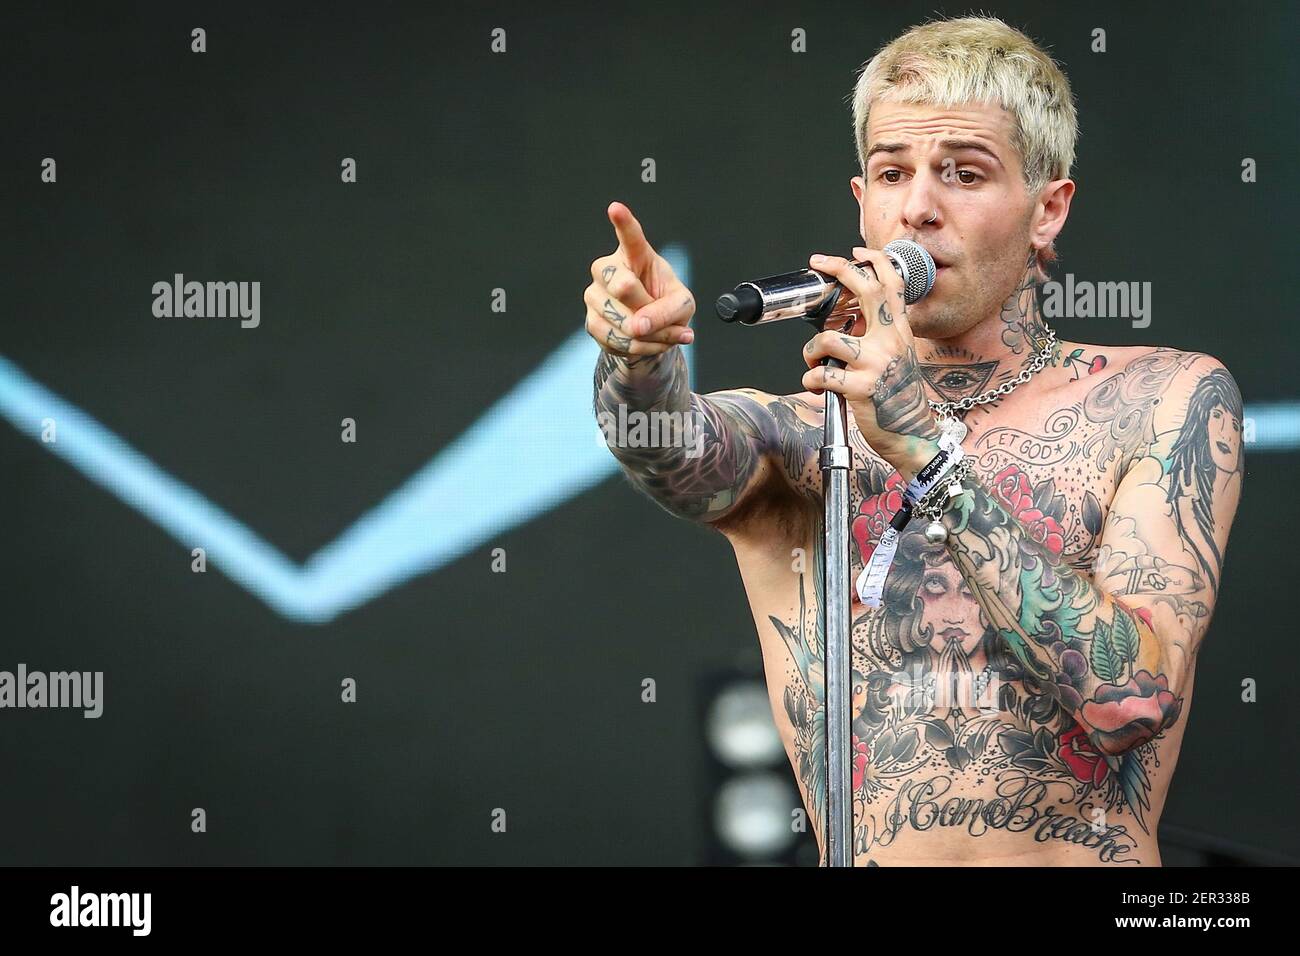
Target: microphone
(809,294)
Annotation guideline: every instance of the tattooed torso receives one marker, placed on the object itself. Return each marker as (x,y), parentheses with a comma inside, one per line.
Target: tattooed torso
(959,753)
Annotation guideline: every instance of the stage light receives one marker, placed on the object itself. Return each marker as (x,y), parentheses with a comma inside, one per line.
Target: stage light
(739,726)
(752,815)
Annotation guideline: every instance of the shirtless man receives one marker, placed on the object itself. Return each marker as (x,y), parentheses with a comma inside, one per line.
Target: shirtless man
(1082,558)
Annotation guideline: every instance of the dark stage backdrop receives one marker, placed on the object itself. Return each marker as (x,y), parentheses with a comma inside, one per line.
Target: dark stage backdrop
(482,178)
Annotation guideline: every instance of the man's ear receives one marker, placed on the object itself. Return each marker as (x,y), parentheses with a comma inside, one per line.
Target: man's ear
(1050,213)
(859,186)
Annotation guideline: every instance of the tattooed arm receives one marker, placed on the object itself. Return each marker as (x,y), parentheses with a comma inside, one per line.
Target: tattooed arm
(1115,652)
(713,458)
(731,451)
(1165,536)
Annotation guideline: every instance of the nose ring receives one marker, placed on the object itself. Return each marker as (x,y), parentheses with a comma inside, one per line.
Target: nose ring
(933,216)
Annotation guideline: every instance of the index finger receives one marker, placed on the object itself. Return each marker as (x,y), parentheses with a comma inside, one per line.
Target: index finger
(631,238)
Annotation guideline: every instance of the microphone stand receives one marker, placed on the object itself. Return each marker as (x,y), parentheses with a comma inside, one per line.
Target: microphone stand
(786,295)
(836,459)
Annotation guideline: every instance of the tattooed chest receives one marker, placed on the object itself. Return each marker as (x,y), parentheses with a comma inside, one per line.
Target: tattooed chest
(941,704)
(929,656)
(1057,479)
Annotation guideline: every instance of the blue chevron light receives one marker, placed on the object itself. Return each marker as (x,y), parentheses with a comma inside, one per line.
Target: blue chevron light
(1276,426)
(534,449)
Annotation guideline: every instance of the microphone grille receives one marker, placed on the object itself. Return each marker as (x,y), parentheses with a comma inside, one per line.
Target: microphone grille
(917,268)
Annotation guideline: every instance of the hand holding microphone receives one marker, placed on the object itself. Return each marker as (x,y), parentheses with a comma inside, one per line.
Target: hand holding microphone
(873,363)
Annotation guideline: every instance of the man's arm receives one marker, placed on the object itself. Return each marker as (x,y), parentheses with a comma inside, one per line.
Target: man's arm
(714,458)
(727,449)
(1116,650)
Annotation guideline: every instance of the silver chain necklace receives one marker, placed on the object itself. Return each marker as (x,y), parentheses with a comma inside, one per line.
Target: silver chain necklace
(946,409)
(954,431)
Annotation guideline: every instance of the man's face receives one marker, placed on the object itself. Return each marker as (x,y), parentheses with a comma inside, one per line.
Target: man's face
(959,163)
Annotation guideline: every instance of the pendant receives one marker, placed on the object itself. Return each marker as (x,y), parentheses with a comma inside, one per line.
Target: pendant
(936,533)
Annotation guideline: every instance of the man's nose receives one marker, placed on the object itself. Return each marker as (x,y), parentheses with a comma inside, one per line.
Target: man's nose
(921,208)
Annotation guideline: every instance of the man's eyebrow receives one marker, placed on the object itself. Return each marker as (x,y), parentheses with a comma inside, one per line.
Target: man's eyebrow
(886,148)
(953,145)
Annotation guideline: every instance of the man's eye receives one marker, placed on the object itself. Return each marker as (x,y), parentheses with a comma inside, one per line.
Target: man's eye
(967,172)
(891,172)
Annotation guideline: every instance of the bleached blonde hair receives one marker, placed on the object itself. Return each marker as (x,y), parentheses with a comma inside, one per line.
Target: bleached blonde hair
(977,60)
